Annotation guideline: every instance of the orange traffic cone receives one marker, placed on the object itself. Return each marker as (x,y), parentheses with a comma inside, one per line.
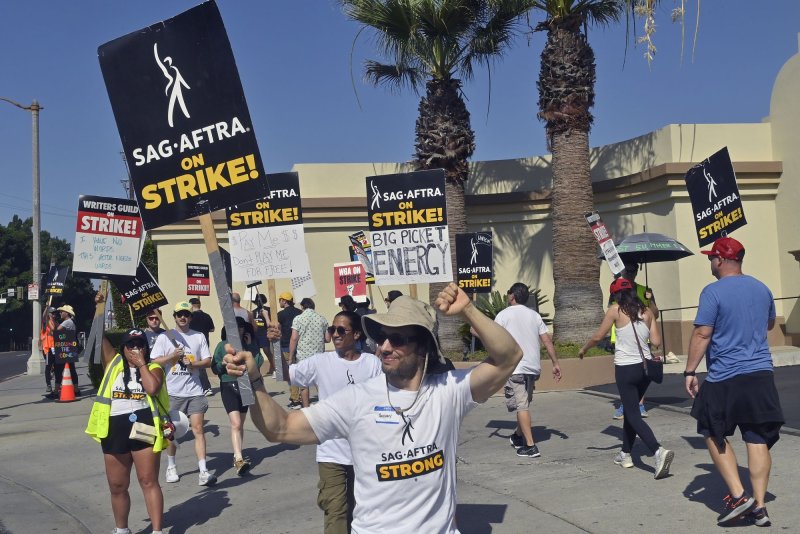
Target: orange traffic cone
(67,388)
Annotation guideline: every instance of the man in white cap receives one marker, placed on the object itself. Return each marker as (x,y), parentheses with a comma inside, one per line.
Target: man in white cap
(402,427)
(66,348)
(183,364)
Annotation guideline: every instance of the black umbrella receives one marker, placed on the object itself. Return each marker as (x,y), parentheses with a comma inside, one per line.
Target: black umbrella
(651,248)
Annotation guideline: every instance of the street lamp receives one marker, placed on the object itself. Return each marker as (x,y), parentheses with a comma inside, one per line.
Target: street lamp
(35,362)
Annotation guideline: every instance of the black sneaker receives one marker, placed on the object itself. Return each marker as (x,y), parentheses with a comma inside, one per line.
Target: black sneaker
(516,440)
(528,452)
(735,507)
(759,517)
(49,390)
(294,405)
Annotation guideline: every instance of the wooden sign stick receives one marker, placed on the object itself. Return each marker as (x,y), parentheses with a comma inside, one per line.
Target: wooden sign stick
(412,290)
(224,298)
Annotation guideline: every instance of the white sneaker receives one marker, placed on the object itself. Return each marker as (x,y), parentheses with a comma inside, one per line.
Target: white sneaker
(207,479)
(121,531)
(172,474)
(663,461)
(623,459)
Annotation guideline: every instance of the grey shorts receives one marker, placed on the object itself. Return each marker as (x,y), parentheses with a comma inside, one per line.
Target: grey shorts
(189,405)
(519,392)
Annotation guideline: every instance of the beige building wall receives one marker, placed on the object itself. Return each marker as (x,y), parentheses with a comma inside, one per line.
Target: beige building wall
(638,186)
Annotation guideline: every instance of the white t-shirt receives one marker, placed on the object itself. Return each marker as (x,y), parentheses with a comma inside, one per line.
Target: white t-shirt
(330,373)
(626,351)
(525,326)
(122,403)
(405,466)
(183,382)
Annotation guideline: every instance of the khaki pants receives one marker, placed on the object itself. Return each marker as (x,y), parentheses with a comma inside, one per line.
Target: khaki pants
(294,391)
(336,497)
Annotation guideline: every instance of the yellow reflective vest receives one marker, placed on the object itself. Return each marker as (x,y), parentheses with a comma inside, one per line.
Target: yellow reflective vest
(97,427)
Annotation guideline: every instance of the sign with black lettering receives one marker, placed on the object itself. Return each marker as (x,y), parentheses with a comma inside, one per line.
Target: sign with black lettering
(107,237)
(361,250)
(474,260)
(182,117)
(716,203)
(603,237)
(408,228)
(349,279)
(140,292)
(53,282)
(198,281)
(266,236)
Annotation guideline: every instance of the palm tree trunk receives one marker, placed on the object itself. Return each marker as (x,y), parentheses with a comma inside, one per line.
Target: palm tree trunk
(575,270)
(445,140)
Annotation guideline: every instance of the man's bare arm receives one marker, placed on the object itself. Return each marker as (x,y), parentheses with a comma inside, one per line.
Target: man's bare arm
(698,344)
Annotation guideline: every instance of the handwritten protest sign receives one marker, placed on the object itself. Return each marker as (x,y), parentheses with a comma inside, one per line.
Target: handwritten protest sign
(182,117)
(408,228)
(474,260)
(716,202)
(349,279)
(303,285)
(198,281)
(107,237)
(140,292)
(266,235)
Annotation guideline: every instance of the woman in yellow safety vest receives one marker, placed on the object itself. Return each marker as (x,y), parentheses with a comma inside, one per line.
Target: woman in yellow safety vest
(131,396)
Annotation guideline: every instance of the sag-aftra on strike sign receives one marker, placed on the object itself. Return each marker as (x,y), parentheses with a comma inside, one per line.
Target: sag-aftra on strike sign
(182,117)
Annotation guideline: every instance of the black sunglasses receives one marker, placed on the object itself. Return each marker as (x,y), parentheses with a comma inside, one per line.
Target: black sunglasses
(183,314)
(339,330)
(135,345)
(153,318)
(396,340)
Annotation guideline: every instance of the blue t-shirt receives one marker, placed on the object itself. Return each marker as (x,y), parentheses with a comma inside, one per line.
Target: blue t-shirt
(739,309)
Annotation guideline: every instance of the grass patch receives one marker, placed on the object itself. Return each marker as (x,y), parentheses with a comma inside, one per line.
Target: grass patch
(563,351)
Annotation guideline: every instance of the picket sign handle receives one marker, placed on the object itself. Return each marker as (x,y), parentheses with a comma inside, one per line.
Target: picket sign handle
(224,298)
(412,290)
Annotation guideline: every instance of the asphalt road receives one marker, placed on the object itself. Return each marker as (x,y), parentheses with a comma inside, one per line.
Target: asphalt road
(13,364)
(673,393)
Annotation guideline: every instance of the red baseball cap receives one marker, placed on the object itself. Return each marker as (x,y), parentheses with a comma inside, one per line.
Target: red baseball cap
(727,248)
(620,284)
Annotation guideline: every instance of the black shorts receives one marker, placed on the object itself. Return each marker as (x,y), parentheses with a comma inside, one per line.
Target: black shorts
(119,428)
(749,401)
(231,399)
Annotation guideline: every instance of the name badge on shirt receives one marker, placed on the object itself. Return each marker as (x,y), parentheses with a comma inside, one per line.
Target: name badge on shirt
(385,415)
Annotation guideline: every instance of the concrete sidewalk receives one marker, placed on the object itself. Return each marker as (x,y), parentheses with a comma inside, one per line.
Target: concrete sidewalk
(52,476)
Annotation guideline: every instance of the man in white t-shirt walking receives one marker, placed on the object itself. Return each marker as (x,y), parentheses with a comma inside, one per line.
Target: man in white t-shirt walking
(528,330)
(331,372)
(182,364)
(402,427)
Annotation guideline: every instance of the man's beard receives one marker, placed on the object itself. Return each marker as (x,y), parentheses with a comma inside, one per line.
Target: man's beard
(405,370)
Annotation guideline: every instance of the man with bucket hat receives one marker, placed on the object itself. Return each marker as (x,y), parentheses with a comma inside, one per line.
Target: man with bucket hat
(733,317)
(402,426)
(66,349)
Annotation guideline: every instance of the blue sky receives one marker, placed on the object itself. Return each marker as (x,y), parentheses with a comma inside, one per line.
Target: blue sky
(294,61)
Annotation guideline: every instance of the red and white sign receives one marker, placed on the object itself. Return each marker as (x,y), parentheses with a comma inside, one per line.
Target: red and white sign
(33,291)
(350,279)
(107,237)
(198,282)
(603,237)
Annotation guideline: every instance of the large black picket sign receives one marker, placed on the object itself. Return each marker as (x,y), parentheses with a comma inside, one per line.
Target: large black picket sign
(182,117)
(474,260)
(716,202)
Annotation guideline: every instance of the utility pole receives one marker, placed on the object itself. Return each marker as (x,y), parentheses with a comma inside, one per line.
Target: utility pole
(35,362)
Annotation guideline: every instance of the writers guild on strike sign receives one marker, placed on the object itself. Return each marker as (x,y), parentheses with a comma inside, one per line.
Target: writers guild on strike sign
(107,237)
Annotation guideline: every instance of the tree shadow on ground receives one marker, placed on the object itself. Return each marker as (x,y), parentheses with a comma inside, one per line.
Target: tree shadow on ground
(195,511)
(478,518)
(709,489)
(540,433)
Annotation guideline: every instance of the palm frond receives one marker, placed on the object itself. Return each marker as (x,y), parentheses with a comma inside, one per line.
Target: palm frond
(393,76)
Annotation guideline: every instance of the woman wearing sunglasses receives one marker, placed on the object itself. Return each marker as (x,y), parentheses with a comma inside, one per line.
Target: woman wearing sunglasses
(131,394)
(229,390)
(331,372)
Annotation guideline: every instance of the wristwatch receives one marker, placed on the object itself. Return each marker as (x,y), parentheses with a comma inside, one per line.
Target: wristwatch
(689,373)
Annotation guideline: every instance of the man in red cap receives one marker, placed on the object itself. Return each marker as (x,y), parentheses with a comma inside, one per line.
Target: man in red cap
(733,318)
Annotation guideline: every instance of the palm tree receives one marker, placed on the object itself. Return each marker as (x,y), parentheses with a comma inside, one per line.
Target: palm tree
(566,95)
(438,42)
